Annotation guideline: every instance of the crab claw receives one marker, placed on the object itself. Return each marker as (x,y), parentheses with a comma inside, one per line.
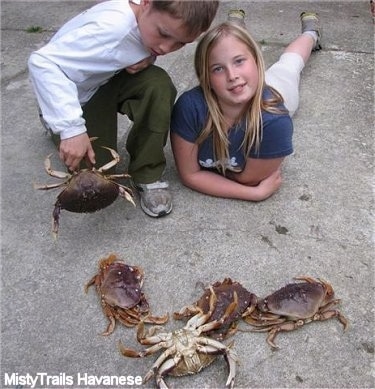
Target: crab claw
(126,194)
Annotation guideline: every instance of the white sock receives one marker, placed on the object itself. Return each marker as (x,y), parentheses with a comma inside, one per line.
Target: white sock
(313,34)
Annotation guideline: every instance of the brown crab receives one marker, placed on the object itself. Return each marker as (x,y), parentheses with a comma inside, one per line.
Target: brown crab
(293,306)
(120,289)
(187,350)
(226,292)
(86,190)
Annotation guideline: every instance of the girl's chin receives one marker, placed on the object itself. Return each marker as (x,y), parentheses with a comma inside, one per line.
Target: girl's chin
(239,101)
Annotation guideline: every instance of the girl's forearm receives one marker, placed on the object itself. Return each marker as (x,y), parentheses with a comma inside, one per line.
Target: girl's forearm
(216,185)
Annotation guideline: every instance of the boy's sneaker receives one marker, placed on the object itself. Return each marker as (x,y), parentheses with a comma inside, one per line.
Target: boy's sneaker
(310,22)
(237,16)
(156,200)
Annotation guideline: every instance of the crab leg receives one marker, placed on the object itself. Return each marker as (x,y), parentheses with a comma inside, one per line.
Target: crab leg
(127,352)
(264,320)
(141,336)
(48,186)
(156,319)
(288,326)
(114,176)
(111,326)
(231,359)
(114,162)
(54,173)
(251,308)
(186,312)
(201,318)
(326,315)
(126,193)
(217,323)
(311,280)
(128,316)
(214,347)
(166,367)
(90,283)
(162,366)
(150,337)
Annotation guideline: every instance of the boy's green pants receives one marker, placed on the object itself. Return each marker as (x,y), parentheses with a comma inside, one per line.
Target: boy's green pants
(147,98)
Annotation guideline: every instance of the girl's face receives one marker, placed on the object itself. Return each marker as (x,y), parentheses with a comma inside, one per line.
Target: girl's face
(233,73)
(161,33)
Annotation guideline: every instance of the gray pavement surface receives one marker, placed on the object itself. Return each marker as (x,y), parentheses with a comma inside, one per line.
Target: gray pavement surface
(320,223)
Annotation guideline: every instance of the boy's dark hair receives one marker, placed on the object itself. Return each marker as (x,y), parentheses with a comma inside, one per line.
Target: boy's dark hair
(197,15)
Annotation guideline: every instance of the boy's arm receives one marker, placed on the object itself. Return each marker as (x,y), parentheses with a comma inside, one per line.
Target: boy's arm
(57,96)
(58,100)
(145,63)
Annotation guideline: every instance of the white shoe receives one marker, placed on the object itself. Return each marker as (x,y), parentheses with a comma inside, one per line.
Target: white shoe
(156,200)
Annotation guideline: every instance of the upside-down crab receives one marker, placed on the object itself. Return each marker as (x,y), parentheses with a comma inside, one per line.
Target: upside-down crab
(119,287)
(226,292)
(86,190)
(293,306)
(187,350)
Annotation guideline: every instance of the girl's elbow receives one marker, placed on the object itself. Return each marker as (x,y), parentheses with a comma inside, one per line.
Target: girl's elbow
(186,181)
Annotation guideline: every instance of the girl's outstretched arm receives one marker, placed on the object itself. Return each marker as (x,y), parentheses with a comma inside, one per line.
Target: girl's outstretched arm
(211,183)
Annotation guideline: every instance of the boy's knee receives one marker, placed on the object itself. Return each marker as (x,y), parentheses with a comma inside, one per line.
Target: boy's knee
(160,81)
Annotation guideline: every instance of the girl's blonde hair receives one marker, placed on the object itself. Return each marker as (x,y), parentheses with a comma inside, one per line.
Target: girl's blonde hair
(252,112)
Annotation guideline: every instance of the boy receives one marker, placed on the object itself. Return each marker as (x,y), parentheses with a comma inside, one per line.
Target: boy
(101,63)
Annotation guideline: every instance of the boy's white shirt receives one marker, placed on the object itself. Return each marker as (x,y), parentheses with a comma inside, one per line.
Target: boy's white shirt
(83,55)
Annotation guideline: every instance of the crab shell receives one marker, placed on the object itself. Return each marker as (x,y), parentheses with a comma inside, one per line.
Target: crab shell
(298,300)
(119,284)
(87,191)
(295,305)
(120,289)
(226,292)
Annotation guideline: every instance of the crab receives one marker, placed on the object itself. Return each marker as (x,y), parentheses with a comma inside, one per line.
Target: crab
(293,306)
(226,292)
(120,289)
(86,190)
(187,350)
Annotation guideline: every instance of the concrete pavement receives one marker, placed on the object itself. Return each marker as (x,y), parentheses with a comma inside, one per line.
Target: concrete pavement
(320,223)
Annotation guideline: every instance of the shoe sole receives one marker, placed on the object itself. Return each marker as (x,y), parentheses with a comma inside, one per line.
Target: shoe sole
(152,214)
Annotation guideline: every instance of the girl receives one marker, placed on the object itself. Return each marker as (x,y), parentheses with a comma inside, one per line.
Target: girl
(230,134)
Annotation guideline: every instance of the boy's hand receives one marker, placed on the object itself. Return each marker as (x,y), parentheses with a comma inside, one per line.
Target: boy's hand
(73,150)
(145,63)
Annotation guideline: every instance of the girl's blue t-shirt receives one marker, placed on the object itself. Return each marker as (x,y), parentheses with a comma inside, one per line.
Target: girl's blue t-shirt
(189,118)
